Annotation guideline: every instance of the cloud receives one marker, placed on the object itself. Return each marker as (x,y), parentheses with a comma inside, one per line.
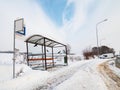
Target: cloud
(73,28)
(36,21)
(78,30)
(78,18)
(81,29)
(110,29)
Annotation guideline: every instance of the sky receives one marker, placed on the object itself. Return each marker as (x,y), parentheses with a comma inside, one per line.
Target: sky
(70,22)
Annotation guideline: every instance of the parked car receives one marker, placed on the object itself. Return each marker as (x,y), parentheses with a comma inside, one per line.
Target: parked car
(106,56)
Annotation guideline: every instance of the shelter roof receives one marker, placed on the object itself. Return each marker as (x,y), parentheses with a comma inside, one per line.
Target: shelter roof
(41,40)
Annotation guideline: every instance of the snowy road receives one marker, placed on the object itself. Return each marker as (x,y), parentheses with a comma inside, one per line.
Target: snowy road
(86,78)
(81,75)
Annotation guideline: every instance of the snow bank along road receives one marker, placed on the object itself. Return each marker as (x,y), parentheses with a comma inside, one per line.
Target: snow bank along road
(82,75)
(111,80)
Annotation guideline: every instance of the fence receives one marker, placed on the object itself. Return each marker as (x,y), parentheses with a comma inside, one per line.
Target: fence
(117,62)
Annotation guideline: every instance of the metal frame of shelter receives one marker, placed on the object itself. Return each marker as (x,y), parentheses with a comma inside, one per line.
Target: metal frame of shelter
(44,42)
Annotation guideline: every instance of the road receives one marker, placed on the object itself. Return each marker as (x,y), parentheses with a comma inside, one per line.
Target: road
(81,76)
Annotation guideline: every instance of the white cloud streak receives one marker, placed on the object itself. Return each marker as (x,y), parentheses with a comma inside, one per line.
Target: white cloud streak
(35,20)
(87,36)
(79,31)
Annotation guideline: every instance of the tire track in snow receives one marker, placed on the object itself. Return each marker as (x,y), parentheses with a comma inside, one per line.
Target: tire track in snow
(111,80)
(60,77)
(67,72)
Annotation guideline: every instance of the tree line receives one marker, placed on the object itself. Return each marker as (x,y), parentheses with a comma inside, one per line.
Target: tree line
(95,51)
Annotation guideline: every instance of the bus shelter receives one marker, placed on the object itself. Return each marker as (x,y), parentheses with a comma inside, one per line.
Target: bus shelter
(44,42)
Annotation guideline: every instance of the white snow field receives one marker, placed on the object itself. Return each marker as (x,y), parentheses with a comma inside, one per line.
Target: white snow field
(78,75)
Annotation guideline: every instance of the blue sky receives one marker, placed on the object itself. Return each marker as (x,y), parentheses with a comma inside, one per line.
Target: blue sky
(55,9)
(68,21)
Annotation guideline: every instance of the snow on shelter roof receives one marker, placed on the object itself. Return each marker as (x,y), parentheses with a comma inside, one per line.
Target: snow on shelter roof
(41,40)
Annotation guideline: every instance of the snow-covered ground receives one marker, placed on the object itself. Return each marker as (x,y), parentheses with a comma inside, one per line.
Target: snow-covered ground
(86,78)
(78,75)
(114,68)
(110,74)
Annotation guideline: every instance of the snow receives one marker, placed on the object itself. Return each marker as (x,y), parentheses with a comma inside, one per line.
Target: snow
(87,78)
(29,78)
(82,80)
(6,58)
(78,75)
(114,68)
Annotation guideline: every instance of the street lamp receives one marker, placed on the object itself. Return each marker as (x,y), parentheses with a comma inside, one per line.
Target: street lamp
(98,51)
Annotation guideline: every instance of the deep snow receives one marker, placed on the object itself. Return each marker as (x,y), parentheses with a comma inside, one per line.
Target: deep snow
(78,75)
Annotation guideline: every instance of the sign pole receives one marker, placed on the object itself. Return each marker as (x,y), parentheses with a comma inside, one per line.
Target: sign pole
(19,29)
(14,52)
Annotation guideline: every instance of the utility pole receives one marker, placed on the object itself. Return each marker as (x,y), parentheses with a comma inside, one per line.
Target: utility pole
(98,51)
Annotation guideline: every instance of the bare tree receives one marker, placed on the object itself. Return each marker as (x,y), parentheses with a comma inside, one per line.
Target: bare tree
(87,53)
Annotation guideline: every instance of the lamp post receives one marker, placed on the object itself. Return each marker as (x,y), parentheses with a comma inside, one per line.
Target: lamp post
(98,51)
